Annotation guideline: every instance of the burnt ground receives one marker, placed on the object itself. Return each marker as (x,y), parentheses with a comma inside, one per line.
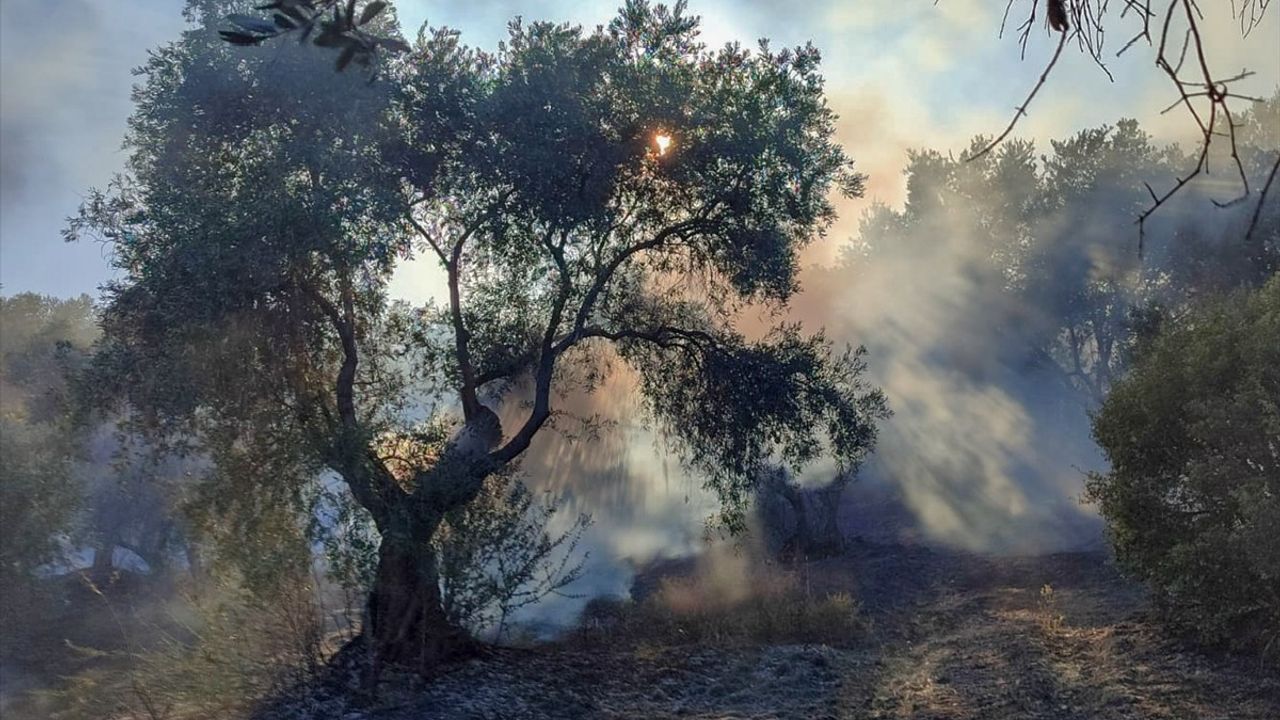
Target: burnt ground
(949,636)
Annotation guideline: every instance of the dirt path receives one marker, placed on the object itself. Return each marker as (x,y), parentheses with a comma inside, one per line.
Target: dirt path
(952,637)
(1052,637)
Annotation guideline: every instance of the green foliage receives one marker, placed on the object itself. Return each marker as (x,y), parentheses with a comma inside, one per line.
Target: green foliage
(269,200)
(328,23)
(591,240)
(711,389)
(254,190)
(39,499)
(349,539)
(1193,495)
(41,339)
(261,220)
(497,555)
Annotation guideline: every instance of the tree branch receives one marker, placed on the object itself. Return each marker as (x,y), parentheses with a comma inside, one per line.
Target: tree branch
(370,482)
(546,360)
(461,336)
(1262,199)
(431,241)
(606,273)
(1022,109)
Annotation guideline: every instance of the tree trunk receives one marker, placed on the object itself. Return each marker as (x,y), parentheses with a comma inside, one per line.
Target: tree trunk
(800,522)
(408,624)
(823,536)
(103,558)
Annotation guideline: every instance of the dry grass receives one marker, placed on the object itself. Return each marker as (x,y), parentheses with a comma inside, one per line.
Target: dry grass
(1048,613)
(761,605)
(212,654)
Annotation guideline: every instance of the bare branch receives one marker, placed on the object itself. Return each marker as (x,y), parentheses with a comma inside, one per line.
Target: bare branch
(1083,20)
(1022,109)
(1262,199)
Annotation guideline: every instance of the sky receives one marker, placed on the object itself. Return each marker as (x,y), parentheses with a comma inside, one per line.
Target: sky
(901,75)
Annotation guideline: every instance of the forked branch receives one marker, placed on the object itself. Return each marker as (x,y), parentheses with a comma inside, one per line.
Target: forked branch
(1206,96)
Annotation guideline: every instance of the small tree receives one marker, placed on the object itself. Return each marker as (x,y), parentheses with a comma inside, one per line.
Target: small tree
(620,193)
(40,338)
(498,556)
(800,521)
(1193,496)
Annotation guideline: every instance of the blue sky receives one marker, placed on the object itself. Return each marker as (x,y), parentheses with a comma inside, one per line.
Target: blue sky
(902,74)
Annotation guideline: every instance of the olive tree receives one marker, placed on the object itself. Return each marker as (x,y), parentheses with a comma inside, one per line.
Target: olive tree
(619,195)
(41,339)
(1192,498)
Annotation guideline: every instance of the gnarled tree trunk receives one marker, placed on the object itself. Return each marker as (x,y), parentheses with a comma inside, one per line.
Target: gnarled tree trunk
(800,522)
(407,619)
(408,623)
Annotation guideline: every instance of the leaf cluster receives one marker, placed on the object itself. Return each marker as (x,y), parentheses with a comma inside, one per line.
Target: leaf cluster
(327,23)
(1194,488)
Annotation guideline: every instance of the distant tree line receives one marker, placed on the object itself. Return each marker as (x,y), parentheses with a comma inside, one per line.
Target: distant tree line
(1175,350)
(1046,235)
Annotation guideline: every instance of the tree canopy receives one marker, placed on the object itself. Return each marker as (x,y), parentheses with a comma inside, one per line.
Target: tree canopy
(269,200)
(1193,494)
(1037,232)
(40,339)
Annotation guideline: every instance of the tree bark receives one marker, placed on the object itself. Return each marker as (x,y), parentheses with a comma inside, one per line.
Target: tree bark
(103,558)
(408,624)
(801,522)
(823,535)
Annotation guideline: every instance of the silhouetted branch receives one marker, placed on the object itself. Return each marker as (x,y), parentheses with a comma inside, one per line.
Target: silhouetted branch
(1205,85)
(1262,199)
(1022,109)
(336,24)
(1083,20)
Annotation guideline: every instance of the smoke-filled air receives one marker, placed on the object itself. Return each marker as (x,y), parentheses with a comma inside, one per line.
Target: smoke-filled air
(721,359)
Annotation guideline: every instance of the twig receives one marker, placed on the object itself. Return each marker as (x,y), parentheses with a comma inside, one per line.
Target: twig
(1022,109)
(1083,21)
(1262,199)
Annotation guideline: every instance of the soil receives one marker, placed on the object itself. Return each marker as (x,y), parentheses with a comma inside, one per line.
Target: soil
(952,636)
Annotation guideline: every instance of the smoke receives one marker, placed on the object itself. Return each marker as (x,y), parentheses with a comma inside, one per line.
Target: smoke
(988,446)
(603,460)
(64,101)
(985,450)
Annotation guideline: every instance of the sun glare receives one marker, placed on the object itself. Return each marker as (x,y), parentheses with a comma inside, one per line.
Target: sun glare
(663,141)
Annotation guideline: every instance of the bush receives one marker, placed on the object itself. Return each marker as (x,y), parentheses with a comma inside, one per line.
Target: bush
(761,605)
(1193,496)
(215,652)
(498,555)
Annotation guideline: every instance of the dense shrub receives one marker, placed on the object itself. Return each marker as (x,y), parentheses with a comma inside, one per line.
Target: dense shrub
(138,651)
(502,552)
(1192,500)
